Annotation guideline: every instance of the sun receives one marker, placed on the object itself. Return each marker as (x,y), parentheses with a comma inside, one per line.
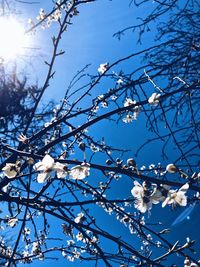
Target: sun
(13,39)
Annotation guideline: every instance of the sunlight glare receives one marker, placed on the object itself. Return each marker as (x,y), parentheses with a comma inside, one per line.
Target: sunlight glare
(13,38)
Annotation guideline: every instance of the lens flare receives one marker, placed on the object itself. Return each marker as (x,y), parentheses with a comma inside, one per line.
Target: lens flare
(13,39)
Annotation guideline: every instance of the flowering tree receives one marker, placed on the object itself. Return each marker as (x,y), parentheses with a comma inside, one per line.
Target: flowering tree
(60,177)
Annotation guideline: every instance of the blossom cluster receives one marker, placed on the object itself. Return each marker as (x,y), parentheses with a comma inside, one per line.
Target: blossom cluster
(133,114)
(148,194)
(88,239)
(47,19)
(46,167)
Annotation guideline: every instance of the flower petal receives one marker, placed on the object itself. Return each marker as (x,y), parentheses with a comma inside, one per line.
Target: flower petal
(48,162)
(184,188)
(42,177)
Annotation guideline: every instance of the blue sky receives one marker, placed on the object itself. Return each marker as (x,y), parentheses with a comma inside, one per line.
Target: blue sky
(88,40)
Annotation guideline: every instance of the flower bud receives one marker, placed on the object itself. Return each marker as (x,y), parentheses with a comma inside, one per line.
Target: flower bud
(81,145)
(131,162)
(171,168)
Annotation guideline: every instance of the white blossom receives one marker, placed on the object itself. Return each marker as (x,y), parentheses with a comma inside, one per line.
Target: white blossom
(133,114)
(128,119)
(128,102)
(13,222)
(154,99)
(94,240)
(100,97)
(94,148)
(104,104)
(79,236)
(70,242)
(56,15)
(188,263)
(177,197)
(95,109)
(120,81)
(42,15)
(11,170)
(46,166)
(41,256)
(27,231)
(60,170)
(76,253)
(145,197)
(136,112)
(70,258)
(142,203)
(80,218)
(103,68)
(79,172)
(137,191)
(35,248)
